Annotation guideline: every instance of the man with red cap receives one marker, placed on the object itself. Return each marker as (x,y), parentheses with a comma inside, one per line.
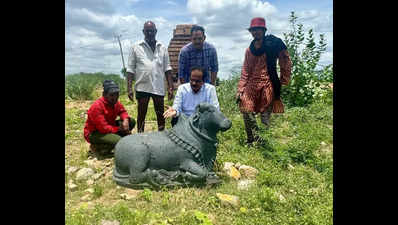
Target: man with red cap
(259,85)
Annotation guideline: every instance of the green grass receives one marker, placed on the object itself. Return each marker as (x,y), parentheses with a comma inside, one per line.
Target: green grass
(82,86)
(294,184)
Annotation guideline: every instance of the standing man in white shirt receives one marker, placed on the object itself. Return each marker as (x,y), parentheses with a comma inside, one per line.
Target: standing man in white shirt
(189,95)
(149,65)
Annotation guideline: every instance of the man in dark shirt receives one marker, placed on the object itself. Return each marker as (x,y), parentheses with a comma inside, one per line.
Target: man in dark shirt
(198,53)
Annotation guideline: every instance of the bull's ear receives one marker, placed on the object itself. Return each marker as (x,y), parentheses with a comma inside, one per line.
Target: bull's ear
(202,107)
(197,108)
(195,118)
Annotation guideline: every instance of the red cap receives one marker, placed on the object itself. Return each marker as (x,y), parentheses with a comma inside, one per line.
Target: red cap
(257,22)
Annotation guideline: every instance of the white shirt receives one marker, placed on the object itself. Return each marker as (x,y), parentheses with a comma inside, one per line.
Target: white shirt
(149,67)
(186,100)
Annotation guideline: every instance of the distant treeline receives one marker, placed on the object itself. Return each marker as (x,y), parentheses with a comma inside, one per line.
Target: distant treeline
(82,86)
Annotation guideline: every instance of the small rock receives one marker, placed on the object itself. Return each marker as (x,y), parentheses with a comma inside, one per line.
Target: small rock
(90,182)
(123,196)
(281,198)
(108,222)
(89,162)
(87,197)
(245,184)
(315,191)
(72,186)
(93,163)
(72,169)
(323,143)
(133,192)
(109,174)
(248,171)
(90,190)
(228,199)
(228,165)
(84,173)
(237,165)
(98,175)
(231,170)
(108,163)
(234,173)
(130,194)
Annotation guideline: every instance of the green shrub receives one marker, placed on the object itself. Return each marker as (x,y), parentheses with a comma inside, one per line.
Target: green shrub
(226,93)
(98,191)
(122,213)
(147,195)
(191,217)
(306,82)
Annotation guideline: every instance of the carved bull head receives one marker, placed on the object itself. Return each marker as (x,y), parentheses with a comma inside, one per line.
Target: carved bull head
(209,119)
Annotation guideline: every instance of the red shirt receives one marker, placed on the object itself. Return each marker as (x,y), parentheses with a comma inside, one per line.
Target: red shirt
(101,116)
(255,84)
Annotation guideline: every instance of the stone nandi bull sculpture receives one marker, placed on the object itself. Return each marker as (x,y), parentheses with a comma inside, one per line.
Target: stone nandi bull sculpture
(182,155)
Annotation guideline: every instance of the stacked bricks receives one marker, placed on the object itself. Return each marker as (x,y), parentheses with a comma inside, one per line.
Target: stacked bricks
(181,37)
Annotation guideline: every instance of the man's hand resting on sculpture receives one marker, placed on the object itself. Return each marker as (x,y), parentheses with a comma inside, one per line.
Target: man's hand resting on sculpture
(170,112)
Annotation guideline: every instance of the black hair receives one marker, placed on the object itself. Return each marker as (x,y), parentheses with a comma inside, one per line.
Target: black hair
(197,68)
(108,84)
(196,27)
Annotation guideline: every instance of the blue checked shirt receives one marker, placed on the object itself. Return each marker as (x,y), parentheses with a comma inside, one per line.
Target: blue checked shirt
(206,58)
(186,100)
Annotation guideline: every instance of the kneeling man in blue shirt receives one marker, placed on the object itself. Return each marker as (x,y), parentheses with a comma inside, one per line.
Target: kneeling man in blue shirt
(189,95)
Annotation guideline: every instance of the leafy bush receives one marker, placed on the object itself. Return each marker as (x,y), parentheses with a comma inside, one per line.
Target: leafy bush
(82,86)
(306,82)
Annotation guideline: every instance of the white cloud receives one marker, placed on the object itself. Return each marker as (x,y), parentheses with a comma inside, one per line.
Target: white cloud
(171,3)
(308,14)
(227,17)
(133,1)
(97,6)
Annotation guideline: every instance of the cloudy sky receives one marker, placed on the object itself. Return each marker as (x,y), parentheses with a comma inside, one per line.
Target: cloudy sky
(91,27)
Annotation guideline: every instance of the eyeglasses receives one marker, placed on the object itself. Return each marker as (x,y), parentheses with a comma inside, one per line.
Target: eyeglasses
(198,39)
(196,81)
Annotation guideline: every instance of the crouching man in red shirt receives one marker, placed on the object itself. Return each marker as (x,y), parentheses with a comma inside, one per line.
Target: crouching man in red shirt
(102,130)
